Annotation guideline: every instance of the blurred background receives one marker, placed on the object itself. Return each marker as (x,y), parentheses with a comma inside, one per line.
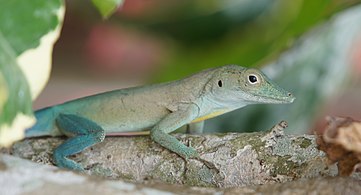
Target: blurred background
(311,48)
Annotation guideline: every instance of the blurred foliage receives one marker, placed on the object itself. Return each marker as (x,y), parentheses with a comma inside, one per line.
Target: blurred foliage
(107,7)
(314,69)
(208,33)
(260,37)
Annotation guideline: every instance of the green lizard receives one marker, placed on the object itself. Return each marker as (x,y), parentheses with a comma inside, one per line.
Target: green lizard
(160,108)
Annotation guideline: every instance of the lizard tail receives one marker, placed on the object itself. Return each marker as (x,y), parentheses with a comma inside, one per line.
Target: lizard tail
(45,123)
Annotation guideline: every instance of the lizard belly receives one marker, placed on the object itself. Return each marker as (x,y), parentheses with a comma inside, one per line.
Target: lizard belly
(131,122)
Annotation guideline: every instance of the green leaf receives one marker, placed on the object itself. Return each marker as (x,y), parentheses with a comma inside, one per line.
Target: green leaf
(3,91)
(23,23)
(107,7)
(28,30)
(18,100)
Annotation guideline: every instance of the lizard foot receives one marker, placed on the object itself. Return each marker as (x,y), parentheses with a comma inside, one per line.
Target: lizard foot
(63,162)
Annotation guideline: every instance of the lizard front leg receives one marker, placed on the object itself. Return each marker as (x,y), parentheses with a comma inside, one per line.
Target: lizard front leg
(83,133)
(170,123)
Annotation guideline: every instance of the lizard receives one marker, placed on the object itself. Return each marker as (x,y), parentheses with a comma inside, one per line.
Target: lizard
(157,108)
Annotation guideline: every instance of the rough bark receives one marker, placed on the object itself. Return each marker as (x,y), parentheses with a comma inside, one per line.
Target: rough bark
(238,159)
(18,176)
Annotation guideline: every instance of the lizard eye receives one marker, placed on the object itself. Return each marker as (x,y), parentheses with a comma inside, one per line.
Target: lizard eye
(252,79)
(220,84)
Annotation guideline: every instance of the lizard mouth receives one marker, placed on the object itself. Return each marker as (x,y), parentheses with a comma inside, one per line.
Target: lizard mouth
(289,98)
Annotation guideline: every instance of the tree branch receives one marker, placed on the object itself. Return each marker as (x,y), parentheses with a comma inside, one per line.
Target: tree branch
(18,176)
(238,159)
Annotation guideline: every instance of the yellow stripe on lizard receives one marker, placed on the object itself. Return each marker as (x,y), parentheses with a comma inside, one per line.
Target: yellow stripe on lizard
(211,115)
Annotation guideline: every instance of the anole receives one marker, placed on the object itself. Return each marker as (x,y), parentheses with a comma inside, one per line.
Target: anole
(159,108)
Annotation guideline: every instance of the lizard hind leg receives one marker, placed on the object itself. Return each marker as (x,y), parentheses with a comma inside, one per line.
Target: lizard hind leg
(83,133)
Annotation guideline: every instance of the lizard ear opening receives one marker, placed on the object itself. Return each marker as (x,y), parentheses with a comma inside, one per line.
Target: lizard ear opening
(220,84)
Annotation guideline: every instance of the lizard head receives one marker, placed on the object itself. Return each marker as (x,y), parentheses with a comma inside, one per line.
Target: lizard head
(238,85)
